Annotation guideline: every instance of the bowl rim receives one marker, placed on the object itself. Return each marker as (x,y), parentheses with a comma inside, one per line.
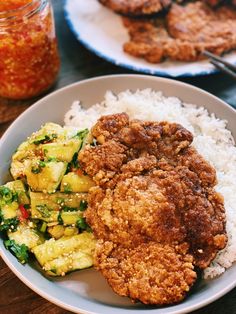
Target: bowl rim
(27,281)
(85,81)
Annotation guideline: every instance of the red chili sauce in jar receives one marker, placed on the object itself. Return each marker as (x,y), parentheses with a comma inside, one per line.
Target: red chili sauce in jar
(29,60)
(8,5)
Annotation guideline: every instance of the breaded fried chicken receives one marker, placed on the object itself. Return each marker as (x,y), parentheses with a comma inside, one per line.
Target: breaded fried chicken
(198,23)
(184,34)
(136,7)
(151,272)
(153,191)
(135,210)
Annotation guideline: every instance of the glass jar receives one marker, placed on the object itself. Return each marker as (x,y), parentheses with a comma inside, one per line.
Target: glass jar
(29,60)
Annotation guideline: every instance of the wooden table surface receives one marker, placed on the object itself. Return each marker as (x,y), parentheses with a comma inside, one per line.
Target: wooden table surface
(76,64)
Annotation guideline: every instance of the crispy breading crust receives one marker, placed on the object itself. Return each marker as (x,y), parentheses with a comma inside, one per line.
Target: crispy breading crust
(136,7)
(139,161)
(136,210)
(152,273)
(185,33)
(152,187)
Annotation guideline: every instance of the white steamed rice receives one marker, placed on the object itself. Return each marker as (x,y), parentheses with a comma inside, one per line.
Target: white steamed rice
(211,139)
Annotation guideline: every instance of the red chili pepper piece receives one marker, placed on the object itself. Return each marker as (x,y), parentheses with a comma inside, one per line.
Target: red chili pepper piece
(24,212)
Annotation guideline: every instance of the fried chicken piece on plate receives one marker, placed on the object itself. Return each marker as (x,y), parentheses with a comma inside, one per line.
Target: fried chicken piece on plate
(132,212)
(106,128)
(202,211)
(103,162)
(150,40)
(160,206)
(198,23)
(152,187)
(136,7)
(196,163)
(142,135)
(184,34)
(151,272)
(140,163)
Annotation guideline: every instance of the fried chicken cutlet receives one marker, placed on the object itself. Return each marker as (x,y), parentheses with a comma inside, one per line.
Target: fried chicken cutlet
(151,273)
(154,193)
(136,7)
(184,34)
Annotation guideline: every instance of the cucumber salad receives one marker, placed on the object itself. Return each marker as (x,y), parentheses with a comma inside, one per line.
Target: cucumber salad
(42,208)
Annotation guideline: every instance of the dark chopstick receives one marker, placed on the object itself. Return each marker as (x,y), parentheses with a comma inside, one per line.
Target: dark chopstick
(221,64)
(219,59)
(223,68)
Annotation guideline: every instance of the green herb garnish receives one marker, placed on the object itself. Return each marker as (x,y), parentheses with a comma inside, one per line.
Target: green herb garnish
(44,211)
(83,205)
(21,251)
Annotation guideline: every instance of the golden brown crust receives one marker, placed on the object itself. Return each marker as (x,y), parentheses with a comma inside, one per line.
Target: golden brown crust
(105,163)
(147,38)
(187,31)
(198,23)
(152,187)
(136,210)
(136,7)
(151,272)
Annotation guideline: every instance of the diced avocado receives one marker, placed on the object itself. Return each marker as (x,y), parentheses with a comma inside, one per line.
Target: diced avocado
(26,235)
(45,177)
(48,206)
(58,257)
(63,151)
(19,187)
(72,182)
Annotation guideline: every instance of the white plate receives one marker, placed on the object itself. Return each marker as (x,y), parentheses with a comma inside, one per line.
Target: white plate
(87,291)
(101,31)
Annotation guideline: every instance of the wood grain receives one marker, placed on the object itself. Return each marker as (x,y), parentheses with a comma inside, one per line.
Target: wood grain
(9,110)
(76,64)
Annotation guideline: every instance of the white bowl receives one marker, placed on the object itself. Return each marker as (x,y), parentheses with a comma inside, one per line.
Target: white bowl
(87,291)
